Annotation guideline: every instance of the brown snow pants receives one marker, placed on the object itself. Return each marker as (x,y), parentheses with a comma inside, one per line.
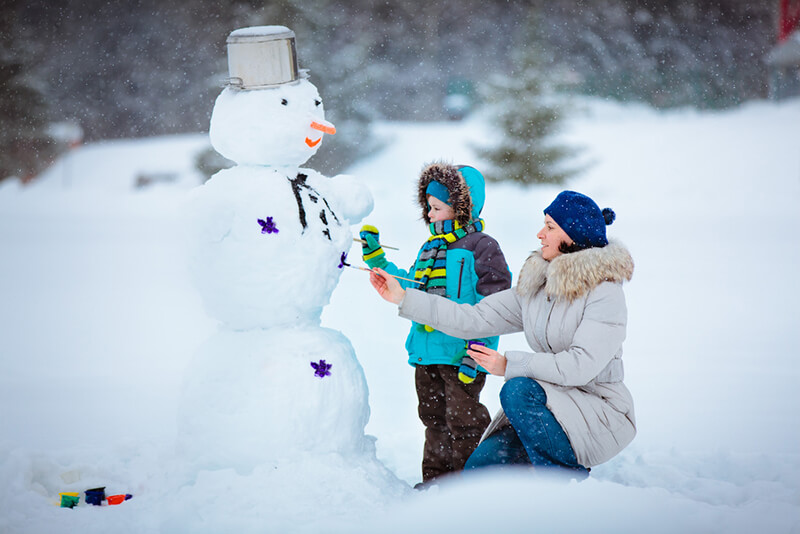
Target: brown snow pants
(453,416)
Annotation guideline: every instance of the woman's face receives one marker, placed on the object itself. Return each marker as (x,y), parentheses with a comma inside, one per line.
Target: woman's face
(551,237)
(439,211)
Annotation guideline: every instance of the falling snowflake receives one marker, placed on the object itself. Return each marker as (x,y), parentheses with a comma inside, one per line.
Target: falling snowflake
(321,369)
(343,260)
(268,226)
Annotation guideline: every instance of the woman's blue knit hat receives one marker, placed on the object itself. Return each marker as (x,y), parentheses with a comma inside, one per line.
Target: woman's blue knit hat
(581,218)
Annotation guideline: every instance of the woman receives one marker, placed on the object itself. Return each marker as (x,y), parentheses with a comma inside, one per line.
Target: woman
(564,404)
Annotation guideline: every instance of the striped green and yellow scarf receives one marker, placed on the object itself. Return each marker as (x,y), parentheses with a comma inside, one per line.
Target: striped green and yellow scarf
(430,268)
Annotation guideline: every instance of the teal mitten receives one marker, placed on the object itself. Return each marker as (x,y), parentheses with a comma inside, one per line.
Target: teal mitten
(468,369)
(371,247)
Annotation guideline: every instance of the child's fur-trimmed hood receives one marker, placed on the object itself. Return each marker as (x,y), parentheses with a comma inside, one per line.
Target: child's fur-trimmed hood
(449,176)
(572,275)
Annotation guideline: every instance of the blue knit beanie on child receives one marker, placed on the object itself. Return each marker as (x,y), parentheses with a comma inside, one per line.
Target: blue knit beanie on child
(439,191)
(581,218)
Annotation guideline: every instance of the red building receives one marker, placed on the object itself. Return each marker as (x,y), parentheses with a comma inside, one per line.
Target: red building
(784,58)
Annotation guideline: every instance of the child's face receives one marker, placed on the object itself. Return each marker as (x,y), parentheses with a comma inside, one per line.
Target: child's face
(439,211)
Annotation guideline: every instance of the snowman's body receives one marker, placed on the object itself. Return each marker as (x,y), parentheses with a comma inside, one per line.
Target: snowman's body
(244,267)
(251,398)
(268,243)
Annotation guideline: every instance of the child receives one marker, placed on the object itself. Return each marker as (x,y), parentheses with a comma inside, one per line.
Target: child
(461,263)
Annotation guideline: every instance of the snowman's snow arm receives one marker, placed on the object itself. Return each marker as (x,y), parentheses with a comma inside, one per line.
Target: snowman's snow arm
(348,195)
(352,198)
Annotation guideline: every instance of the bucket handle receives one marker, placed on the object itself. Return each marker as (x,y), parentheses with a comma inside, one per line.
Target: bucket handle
(235,82)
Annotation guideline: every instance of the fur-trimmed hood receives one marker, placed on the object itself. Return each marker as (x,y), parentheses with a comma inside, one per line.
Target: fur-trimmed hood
(572,275)
(465,184)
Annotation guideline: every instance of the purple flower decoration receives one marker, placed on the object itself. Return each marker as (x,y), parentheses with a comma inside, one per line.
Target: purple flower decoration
(343,260)
(268,226)
(321,369)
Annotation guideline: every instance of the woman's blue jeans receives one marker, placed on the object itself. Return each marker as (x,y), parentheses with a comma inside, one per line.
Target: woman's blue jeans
(534,438)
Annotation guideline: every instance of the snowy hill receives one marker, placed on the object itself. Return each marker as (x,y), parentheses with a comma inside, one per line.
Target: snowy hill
(98,323)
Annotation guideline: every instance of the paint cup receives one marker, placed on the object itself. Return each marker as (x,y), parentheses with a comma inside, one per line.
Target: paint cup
(481,343)
(116,499)
(70,499)
(95,496)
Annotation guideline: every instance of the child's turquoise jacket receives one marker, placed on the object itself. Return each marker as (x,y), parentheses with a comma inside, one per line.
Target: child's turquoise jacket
(475,265)
(475,268)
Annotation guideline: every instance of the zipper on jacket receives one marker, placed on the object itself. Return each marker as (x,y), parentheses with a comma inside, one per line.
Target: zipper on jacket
(460,274)
(552,305)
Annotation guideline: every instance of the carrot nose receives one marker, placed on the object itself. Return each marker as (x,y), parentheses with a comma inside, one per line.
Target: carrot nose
(323,126)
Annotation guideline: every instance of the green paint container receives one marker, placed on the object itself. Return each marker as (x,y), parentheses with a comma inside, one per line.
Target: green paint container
(70,499)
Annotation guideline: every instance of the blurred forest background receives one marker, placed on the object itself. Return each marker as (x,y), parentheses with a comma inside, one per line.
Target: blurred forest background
(151,67)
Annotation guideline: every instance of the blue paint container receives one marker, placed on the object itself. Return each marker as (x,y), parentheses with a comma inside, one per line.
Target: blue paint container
(95,496)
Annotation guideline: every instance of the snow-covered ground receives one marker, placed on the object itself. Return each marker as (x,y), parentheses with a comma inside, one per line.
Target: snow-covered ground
(98,322)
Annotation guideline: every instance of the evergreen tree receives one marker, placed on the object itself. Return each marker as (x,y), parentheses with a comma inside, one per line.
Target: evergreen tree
(25,145)
(526,119)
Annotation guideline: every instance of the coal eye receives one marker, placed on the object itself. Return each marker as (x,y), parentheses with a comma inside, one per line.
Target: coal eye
(317,102)
(284,102)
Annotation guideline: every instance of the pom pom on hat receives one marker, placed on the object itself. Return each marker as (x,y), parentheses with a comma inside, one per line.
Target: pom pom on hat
(609,215)
(581,218)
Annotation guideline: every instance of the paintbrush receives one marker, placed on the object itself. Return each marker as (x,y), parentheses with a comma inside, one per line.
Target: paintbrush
(345,264)
(357,240)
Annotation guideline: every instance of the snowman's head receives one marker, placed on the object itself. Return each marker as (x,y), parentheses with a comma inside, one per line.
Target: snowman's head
(278,126)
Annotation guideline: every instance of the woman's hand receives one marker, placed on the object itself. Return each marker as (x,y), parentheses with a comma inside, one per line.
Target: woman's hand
(386,286)
(489,359)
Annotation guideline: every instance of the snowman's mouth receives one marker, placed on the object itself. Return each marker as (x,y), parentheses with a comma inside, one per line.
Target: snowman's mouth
(311,143)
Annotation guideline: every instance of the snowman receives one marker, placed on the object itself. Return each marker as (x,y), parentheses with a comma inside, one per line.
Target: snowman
(268,245)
